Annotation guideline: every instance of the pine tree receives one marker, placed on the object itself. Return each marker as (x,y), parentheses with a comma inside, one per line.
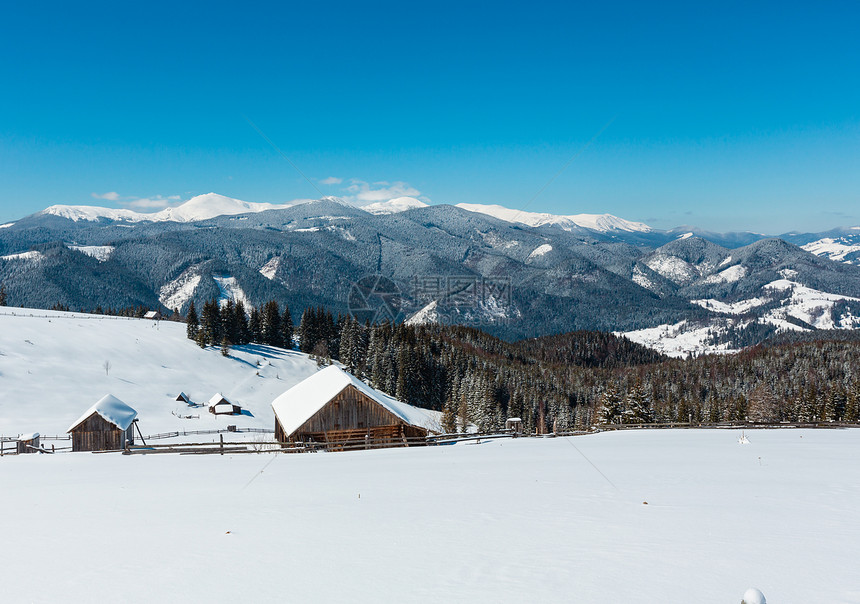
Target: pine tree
(240,324)
(287,327)
(449,418)
(229,328)
(3,296)
(255,326)
(307,331)
(201,338)
(637,406)
(210,323)
(611,407)
(272,334)
(192,323)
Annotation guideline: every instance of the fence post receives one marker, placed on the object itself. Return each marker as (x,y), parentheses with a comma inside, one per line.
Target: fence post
(221,436)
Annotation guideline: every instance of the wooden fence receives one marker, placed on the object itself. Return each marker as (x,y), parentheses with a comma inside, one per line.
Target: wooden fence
(8,445)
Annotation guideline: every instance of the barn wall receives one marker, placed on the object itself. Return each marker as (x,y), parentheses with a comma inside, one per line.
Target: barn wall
(351,415)
(97,434)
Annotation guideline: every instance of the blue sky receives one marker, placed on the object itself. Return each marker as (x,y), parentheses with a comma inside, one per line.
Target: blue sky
(725,116)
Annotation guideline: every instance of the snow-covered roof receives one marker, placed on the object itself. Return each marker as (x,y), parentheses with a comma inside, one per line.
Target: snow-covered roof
(219,398)
(112,409)
(151,314)
(298,404)
(182,397)
(26,437)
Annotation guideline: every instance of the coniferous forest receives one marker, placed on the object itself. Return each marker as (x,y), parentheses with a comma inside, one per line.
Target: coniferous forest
(561,382)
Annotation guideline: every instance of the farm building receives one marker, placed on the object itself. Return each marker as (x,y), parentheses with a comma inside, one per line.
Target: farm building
(333,406)
(28,443)
(153,315)
(219,405)
(183,398)
(106,426)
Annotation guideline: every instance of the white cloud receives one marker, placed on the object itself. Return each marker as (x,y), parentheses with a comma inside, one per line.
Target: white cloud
(331,180)
(156,202)
(363,193)
(110,196)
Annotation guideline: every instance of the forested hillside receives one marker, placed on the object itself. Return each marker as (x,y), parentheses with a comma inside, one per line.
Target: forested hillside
(563,382)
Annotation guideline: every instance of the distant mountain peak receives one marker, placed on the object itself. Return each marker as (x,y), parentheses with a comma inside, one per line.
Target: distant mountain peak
(200,207)
(392,206)
(602,223)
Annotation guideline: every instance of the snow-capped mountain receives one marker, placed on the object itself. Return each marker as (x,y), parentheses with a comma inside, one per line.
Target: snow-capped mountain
(520,274)
(201,207)
(392,206)
(601,223)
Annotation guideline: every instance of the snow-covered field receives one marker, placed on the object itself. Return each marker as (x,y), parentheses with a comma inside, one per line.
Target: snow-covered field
(528,520)
(52,368)
(541,520)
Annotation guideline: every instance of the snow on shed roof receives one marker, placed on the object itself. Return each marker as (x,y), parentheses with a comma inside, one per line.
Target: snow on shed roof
(298,404)
(112,409)
(220,398)
(26,437)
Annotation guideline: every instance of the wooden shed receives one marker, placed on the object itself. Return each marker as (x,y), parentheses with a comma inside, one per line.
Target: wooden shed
(220,405)
(28,443)
(106,426)
(333,406)
(183,398)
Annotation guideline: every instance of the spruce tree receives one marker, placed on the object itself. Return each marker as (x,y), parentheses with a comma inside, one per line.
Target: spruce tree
(272,334)
(240,324)
(287,327)
(611,408)
(2,295)
(255,326)
(201,338)
(192,323)
(210,323)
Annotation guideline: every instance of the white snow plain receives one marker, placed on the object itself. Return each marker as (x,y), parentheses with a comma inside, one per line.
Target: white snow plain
(671,516)
(52,368)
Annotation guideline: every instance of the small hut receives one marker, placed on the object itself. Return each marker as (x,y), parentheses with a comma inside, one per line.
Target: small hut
(106,426)
(28,443)
(219,405)
(514,425)
(333,406)
(183,398)
(153,315)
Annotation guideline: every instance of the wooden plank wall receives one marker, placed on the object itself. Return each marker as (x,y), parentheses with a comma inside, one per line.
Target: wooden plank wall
(351,416)
(97,434)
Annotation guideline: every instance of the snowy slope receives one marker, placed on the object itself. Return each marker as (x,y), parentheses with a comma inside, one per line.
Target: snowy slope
(52,369)
(201,207)
(102,253)
(26,256)
(668,516)
(177,293)
(680,339)
(799,302)
(596,222)
(842,249)
(428,314)
(392,206)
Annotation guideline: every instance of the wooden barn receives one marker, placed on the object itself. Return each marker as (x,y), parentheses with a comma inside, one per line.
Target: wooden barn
(333,406)
(106,426)
(220,405)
